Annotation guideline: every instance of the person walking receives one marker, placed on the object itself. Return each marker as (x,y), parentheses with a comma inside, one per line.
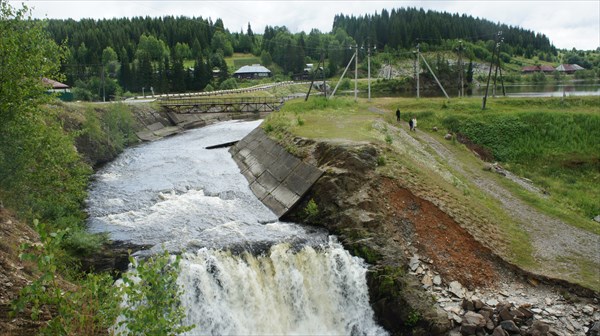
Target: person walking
(414,124)
(398,114)
(410,123)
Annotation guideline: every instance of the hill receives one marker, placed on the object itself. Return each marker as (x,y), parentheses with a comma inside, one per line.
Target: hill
(180,54)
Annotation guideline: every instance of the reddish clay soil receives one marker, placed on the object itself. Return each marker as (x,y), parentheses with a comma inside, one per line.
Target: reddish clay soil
(455,253)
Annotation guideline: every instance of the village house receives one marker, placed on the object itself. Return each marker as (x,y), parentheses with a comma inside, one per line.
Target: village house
(569,68)
(564,68)
(537,68)
(253,71)
(62,90)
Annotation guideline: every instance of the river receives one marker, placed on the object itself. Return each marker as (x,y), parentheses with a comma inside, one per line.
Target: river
(566,89)
(243,271)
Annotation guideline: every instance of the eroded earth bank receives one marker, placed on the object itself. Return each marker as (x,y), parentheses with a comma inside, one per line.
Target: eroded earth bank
(437,266)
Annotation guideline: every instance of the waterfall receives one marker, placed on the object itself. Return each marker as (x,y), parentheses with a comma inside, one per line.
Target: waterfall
(285,291)
(243,272)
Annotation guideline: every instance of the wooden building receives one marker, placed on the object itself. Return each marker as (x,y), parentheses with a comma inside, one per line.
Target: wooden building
(255,71)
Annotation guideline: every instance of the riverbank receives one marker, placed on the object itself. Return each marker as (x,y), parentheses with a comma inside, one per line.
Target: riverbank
(399,198)
(71,140)
(402,201)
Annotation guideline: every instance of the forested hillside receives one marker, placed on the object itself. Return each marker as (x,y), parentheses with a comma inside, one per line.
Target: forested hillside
(405,27)
(108,58)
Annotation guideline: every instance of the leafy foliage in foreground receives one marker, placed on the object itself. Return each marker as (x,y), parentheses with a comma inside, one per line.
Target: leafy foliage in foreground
(152,298)
(93,305)
(42,176)
(88,308)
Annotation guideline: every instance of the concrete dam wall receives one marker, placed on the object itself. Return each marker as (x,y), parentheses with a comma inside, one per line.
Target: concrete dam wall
(275,176)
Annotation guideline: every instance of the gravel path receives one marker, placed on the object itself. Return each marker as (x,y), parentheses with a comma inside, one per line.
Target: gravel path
(556,244)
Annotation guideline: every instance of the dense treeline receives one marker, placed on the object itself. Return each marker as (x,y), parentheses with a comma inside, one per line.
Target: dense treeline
(142,52)
(106,58)
(405,27)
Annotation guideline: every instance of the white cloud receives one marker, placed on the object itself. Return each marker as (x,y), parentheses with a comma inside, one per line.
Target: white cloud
(567,24)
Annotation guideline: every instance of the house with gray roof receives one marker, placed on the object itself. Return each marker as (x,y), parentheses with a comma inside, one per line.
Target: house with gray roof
(254,71)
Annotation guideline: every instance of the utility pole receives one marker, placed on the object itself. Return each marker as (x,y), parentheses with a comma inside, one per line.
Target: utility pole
(498,67)
(356,75)
(490,73)
(102,77)
(494,85)
(435,77)
(343,74)
(461,73)
(314,75)
(501,79)
(369,68)
(323,73)
(417,70)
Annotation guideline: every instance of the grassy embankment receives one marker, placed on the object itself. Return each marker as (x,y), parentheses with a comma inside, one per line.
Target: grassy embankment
(52,155)
(47,177)
(553,142)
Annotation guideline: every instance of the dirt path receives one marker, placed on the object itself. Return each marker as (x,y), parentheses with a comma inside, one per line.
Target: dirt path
(560,250)
(557,246)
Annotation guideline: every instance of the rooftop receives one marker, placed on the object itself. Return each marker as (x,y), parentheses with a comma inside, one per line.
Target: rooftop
(254,68)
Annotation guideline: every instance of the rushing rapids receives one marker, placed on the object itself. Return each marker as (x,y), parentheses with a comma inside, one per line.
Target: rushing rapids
(242,270)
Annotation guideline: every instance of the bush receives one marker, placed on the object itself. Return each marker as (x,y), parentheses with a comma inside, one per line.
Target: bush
(345,84)
(81,243)
(229,84)
(153,304)
(311,211)
(82,94)
(89,308)
(93,305)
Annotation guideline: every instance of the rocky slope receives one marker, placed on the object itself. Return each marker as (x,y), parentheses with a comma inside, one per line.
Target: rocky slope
(14,273)
(436,265)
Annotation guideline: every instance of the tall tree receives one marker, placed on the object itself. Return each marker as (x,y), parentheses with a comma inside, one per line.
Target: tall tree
(27,55)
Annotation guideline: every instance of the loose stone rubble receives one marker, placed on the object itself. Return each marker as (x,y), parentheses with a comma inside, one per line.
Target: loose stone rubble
(510,309)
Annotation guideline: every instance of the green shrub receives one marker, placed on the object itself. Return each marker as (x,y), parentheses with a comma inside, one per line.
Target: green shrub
(119,126)
(79,242)
(153,304)
(229,84)
(413,318)
(92,305)
(89,308)
(311,211)
(268,128)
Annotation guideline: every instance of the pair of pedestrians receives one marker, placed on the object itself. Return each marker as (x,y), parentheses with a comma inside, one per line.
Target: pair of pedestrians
(412,123)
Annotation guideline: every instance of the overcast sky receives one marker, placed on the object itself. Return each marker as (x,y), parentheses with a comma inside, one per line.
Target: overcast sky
(568,24)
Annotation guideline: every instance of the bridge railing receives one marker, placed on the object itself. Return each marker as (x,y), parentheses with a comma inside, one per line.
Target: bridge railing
(189,101)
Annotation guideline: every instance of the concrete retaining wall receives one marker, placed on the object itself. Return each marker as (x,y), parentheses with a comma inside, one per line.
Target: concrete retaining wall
(276,177)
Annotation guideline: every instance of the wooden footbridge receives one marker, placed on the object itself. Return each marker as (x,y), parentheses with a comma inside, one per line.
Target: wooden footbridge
(194,105)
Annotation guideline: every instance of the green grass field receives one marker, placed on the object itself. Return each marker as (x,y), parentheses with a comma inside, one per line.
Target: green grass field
(554,142)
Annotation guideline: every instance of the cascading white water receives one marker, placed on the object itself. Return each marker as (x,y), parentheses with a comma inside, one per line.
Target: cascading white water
(312,291)
(243,272)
